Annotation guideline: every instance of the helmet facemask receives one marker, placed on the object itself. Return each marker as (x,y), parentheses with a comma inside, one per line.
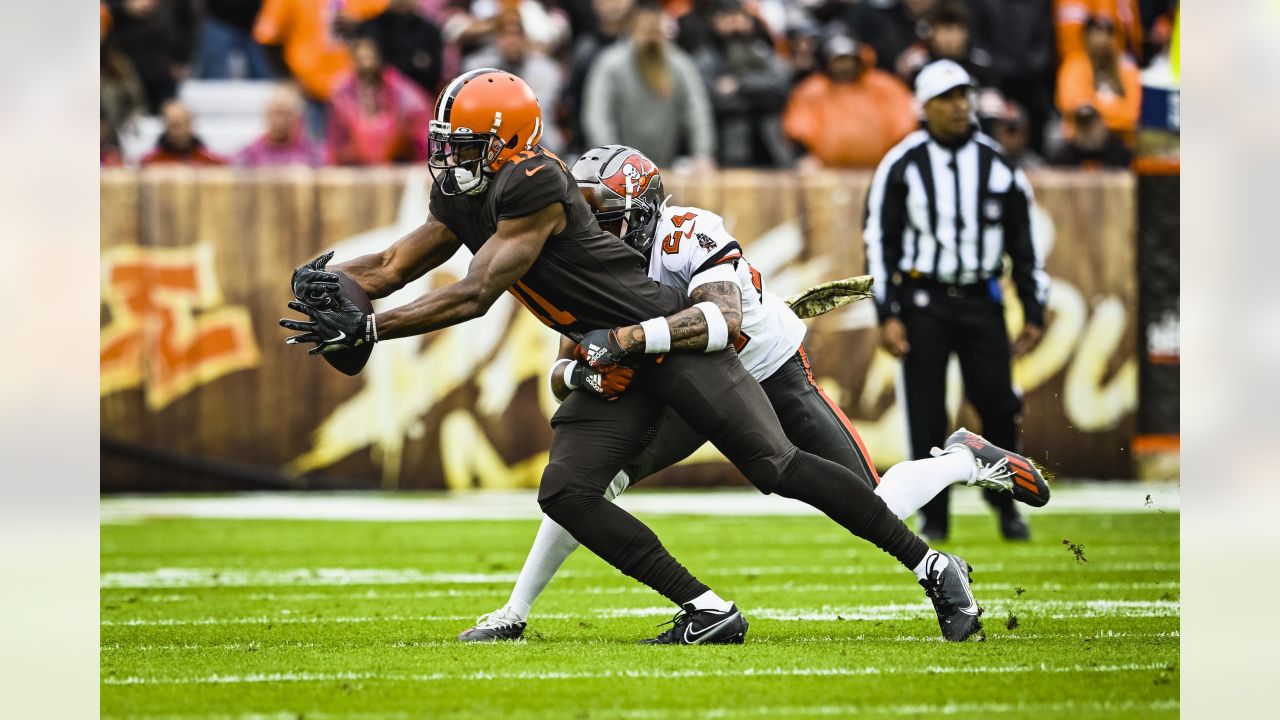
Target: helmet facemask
(624,190)
(633,219)
(461,161)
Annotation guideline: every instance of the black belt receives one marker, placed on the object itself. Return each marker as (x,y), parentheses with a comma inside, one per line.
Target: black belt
(978,289)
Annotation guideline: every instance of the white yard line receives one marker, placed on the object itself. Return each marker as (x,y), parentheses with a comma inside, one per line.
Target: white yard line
(195,577)
(1080,497)
(630,674)
(889,611)
(561,644)
(914,710)
(500,592)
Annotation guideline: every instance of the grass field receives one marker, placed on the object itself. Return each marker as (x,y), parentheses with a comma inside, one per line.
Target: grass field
(210,618)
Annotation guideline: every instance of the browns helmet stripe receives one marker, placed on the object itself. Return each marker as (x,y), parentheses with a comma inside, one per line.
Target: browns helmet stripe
(444,103)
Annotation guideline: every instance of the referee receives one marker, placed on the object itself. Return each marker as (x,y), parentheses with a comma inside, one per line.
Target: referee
(945,207)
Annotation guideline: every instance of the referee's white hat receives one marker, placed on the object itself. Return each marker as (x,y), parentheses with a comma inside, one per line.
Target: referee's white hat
(938,77)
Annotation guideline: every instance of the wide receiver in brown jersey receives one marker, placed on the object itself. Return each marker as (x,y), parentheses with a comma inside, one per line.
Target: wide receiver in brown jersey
(518,209)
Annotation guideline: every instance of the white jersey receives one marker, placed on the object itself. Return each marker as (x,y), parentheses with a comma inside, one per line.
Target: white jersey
(691,247)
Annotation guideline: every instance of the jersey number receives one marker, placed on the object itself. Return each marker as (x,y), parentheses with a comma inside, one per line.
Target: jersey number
(671,243)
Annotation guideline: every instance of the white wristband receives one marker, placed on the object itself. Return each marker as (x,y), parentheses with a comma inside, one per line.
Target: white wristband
(568,374)
(657,335)
(373,325)
(717,329)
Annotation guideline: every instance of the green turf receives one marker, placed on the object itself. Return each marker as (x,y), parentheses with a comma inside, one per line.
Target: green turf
(1092,639)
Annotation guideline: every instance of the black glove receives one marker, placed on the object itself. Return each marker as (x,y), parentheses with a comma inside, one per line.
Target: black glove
(601,350)
(315,286)
(339,328)
(608,384)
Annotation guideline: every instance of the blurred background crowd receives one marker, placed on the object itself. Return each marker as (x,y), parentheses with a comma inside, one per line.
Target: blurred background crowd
(694,84)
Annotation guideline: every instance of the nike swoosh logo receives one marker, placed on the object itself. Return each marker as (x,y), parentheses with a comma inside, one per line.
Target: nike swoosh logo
(691,635)
(341,335)
(533,171)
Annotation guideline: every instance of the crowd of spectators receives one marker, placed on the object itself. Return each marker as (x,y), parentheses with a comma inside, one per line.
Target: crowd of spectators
(694,83)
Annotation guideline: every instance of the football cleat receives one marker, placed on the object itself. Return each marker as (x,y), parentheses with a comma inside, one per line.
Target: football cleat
(999,469)
(1012,526)
(497,625)
(703,627)
(947,585)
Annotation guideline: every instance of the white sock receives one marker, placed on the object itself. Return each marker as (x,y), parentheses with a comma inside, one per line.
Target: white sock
(552,546)
(909,485)
(710,601)
(920,570)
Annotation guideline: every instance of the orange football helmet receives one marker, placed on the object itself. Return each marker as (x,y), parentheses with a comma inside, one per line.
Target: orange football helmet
(482,118)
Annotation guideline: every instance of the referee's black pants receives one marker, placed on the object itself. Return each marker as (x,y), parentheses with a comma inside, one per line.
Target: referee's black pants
(968,321)
(720,401)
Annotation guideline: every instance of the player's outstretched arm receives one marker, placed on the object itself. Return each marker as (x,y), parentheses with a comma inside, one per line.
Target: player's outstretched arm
(498,264)
(409,258)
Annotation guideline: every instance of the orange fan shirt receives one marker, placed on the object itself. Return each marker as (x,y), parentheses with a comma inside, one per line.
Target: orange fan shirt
(850,124)
(316,56)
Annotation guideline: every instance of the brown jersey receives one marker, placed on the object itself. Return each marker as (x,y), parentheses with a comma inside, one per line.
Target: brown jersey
(584,279)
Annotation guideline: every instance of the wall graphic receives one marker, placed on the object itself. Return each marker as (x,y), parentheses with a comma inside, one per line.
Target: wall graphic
(469,406)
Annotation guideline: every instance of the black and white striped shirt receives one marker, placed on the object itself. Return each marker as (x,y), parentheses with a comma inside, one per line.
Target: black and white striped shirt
(951,214)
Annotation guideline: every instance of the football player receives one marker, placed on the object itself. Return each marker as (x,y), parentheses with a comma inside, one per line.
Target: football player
(518,210)
(695,250)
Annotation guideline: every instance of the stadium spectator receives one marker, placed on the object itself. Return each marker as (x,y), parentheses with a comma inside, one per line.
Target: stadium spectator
(120,92)
(306,37)
(851,113)
(1072,19)
(410,43)
(1006,122)
(696,28)
(377,116)
(179,144)
(285,142)
(512,52)
(947,35)
(472,23)
(802,51)
(889,26)
(611,17)
(1100,77)
(647,93)
(156,37)
(1094,146)
(748,83)
(1019,35)
(227,49)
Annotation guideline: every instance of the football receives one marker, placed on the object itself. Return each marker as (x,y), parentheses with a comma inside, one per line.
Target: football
(352,360)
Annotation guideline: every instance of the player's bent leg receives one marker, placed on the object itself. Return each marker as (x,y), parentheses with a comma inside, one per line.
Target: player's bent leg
(592,440)
(812,420)
(719,399)
(908,486)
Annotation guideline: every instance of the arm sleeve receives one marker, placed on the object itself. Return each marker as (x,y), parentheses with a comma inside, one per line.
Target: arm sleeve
(882,229)
(1029,276)
(530,186)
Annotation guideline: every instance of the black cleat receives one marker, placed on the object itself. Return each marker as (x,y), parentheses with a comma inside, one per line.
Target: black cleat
(947,585)
(1000,469)
(704,627)
(1013,526)
(497,625)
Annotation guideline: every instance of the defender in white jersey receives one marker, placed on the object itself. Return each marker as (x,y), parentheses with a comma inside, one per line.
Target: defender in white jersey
(689,248)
